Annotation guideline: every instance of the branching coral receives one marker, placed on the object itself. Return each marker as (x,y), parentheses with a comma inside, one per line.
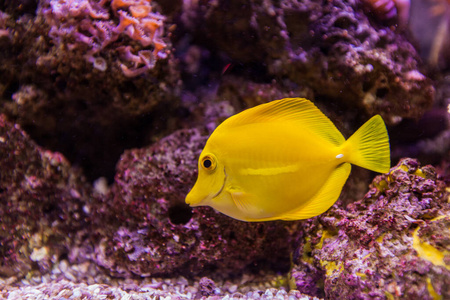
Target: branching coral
(86,25)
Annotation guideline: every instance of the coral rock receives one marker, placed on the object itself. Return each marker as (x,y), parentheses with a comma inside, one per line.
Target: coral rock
(85,82)
(393,243)
(332,48)
(41,204)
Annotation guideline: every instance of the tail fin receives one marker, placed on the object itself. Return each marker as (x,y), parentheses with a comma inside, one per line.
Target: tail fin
(368,147)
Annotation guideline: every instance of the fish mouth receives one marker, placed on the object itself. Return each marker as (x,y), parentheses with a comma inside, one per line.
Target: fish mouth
(190,199)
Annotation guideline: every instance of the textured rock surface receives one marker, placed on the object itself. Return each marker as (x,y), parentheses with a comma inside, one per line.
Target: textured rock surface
(392,243)
(71,93)
(41,204)
(332,48)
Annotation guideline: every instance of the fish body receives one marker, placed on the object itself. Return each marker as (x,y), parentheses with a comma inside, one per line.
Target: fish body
(283,160)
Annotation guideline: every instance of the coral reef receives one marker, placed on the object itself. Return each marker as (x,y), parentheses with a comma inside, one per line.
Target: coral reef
(41,204)
(102,65)
(392,243)
(75,58)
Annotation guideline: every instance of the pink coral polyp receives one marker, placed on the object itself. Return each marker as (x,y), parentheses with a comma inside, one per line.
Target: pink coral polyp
(140,11)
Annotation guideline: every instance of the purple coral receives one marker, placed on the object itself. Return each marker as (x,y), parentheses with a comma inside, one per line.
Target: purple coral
(86,25)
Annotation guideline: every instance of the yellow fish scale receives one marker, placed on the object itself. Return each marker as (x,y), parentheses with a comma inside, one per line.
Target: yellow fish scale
(283,160)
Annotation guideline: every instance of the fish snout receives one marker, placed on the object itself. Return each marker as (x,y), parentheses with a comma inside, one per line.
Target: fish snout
(192,200)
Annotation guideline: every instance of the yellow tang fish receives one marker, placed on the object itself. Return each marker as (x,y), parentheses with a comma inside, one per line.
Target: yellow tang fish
(283,160)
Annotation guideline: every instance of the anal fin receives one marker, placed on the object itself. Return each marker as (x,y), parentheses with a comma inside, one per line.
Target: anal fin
(325,198)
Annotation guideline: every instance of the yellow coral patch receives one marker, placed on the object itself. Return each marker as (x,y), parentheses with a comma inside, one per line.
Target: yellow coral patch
(325,234)
(361,275)
(420,173)
(380,238)
(331,267)
(292,283)
(388,295)
(382,185)
(306,256)
(429,252)
(431,290)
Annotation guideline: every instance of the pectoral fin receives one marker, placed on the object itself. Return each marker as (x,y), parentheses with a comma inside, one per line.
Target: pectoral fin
(247,203)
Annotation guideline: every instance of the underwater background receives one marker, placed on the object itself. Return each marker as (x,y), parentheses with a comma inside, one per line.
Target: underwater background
(107,104)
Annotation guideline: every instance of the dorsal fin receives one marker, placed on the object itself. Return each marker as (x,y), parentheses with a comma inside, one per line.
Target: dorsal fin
(299,110)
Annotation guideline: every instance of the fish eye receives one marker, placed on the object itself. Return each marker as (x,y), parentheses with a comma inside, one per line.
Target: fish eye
(209,162)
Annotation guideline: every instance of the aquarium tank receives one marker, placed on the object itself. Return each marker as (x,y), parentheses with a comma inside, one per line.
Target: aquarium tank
(225,149)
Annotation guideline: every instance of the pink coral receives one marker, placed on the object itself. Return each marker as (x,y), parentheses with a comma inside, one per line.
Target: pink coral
(86,25)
